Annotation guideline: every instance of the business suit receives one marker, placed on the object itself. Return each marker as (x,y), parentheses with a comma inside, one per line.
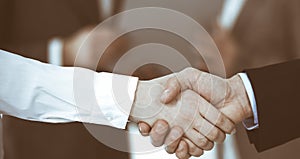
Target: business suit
(276,90)
(26,28)
(266,32)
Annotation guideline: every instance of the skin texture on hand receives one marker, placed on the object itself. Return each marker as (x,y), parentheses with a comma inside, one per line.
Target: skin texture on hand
(188,115)
(148,108)
(228,95)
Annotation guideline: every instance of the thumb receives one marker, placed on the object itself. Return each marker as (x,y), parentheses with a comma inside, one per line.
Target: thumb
(180,82)
(171,90)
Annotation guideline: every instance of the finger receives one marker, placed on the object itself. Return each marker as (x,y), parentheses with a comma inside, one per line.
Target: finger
(144,128)
(215,116)
(202,83)
(172,89)
(182,151)
(199,140)
(173,139)
(193,149)
(208,130)
(159,132)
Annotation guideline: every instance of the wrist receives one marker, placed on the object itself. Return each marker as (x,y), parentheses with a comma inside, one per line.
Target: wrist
(141,103)
(146,106)
(133,115)
(240,95)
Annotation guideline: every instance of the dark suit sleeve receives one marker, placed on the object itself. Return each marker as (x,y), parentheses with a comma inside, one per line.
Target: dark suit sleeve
(277,94)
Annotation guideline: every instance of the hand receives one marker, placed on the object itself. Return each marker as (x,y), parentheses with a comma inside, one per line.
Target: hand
(228,95)
(189,114)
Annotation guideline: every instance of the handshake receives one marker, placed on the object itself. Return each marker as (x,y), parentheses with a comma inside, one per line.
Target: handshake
(190,110)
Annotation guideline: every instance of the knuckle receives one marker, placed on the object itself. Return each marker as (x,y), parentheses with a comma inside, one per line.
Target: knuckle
(190,70)
(154,135)
(169,150)
(187,117)
(230,127)
(156,143)
(179,155)
(225,124)
(173,80)
(182,151)
(172,83)
(210,146)
(220,120)
(172,139)
(202,142)
(213,134)
(192,149)
(197,152)
(156,140)
(222,137)
(176,133)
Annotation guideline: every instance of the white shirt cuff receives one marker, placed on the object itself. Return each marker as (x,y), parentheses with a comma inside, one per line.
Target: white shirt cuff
(251,123)
(55,48)
(115,95)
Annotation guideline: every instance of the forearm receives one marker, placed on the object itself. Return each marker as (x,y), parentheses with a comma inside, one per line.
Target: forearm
(42,92)
(35,91)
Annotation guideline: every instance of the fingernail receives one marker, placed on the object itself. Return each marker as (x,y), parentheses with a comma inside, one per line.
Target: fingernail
(164,95)
(140,128)
(233,132)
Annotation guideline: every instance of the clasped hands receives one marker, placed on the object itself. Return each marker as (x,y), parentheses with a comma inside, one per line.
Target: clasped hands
(190,110)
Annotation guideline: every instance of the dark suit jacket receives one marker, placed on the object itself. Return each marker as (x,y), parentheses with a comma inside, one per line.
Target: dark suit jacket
(26,27)
(277,94)
(266,32)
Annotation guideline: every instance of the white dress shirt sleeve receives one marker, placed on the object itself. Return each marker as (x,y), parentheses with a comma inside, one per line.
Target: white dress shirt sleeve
(42,92)
(251,123)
